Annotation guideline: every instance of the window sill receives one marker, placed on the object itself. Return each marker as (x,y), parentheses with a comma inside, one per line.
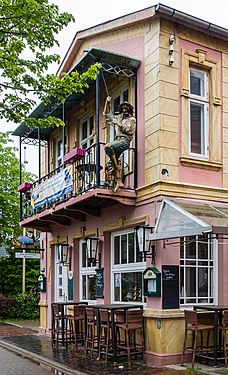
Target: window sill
(202,164)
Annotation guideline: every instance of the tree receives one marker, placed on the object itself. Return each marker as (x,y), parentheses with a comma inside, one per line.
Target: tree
(11,268)
(28,28)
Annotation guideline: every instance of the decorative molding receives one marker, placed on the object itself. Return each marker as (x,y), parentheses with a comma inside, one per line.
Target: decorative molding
(123,223)
(201,164)
(57,240)
(217,100)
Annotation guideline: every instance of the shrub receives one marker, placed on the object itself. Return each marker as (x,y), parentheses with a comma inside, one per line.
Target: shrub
(26,306)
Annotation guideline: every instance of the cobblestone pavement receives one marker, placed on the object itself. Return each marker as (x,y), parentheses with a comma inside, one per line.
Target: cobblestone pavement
(12,364)
(24,339)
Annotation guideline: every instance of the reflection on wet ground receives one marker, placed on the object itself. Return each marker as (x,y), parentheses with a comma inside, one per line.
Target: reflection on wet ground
(41,344)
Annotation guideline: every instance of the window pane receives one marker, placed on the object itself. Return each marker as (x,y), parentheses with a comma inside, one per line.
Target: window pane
(124,249)
(197,83)
(84,130)
(117,287)
(116,104)
(191,250)
(84,287)
(91,125)
(131,247)
(131,286)
(203,282)
(91,287)
(117,250)
(125,96)
(197,128)
(191,282)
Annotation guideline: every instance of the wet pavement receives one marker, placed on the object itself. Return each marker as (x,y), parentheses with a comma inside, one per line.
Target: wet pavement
(24,339)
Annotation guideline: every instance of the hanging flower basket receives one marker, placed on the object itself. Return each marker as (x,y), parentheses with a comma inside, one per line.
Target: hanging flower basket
(75,154)
(24,187)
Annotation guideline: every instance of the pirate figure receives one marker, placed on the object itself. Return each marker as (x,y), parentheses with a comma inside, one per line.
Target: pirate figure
(126,123)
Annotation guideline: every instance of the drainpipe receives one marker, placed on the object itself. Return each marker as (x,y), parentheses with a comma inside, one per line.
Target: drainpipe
(63,141)
(97,130)
(39,154)
(136,137)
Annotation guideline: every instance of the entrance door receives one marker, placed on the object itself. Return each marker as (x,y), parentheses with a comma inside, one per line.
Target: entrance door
(60,279)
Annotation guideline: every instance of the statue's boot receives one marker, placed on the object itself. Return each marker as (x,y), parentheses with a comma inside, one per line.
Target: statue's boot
(119,183)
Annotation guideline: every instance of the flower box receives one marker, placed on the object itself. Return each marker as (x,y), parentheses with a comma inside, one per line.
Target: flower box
(24,187)
(75,154)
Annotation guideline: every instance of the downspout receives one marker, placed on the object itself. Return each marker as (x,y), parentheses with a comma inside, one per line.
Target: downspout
(136,137)
(97,130)
(39,154)
(63,141)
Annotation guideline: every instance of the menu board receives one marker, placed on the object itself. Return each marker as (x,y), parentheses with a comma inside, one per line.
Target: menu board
(170,287)
(99,282)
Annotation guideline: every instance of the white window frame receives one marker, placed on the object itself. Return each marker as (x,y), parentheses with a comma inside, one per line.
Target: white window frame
(85,271)
(59,156)
(203,102)
(185,264)
(124,268)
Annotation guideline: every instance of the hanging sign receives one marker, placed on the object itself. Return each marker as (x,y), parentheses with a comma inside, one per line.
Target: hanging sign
(28,255)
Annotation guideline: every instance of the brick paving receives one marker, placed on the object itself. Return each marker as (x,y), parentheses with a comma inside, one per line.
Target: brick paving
(24,339)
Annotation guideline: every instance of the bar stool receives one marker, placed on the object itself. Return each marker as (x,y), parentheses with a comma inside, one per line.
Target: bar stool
(191,325)
(75,324)
(224,329)
(133,322)
(91,339)
(56,334)
(105,342)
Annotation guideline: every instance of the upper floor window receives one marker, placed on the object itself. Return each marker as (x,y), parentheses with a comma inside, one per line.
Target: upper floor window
(59,152)
(199,112)
(201,108)
(86,132)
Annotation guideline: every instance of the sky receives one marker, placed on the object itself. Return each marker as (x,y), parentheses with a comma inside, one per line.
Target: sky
(89,13)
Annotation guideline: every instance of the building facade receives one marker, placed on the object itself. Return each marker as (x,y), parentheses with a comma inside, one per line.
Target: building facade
(173,69)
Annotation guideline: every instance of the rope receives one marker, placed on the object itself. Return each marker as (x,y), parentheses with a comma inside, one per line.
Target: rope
(105,85)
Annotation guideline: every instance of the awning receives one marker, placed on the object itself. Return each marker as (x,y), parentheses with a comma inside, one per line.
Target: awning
(180,218)
(111,63)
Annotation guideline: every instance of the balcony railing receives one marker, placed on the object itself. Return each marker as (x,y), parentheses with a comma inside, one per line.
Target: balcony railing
(74,178)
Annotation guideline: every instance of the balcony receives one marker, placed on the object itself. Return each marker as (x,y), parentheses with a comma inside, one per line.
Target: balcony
(81,186)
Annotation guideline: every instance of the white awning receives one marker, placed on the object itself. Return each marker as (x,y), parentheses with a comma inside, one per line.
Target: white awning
(183,218)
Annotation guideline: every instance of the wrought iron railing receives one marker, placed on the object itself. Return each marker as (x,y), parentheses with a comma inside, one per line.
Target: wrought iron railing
(75,178)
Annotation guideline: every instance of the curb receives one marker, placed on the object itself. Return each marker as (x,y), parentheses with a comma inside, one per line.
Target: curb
(57,367)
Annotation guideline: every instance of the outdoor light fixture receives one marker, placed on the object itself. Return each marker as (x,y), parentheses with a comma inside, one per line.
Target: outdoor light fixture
(91,249)
(171,49)
(144,242)
(165,172)
(63,253)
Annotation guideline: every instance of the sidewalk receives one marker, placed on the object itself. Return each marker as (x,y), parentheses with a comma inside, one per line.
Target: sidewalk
(22,337)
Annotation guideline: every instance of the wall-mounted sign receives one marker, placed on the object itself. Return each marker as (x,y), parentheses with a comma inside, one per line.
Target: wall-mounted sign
(152,282)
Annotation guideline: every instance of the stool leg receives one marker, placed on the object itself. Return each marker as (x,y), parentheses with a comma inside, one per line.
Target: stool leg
(194,349)
(225,346)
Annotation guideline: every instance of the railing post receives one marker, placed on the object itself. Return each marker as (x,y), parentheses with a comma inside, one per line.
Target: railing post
(98,179)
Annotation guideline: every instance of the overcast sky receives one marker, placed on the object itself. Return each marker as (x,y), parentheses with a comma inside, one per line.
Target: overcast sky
(89,13)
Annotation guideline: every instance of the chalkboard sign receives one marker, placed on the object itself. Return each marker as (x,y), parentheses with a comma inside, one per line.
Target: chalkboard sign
(170,287)
(99,282)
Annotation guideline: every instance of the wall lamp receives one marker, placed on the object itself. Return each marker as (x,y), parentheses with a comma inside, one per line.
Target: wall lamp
(92,249)
(171,49)
(63,250)
(144,242)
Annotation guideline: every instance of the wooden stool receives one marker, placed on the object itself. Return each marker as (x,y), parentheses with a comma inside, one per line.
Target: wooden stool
(75,323)
(56,333)
(133,322)
(191,325)
(224,328)
(91,339)
(105,342)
